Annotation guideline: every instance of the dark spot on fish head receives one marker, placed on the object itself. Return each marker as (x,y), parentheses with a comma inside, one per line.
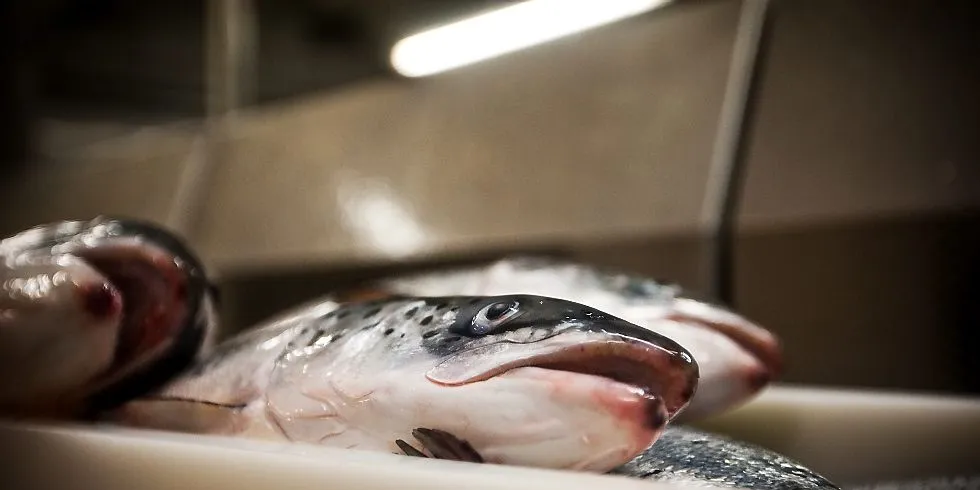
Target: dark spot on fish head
(411,312)
(429,334)
(372,312)
(425,321)
(389,331)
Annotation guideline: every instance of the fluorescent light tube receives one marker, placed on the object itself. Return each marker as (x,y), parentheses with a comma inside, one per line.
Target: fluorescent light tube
(506,30)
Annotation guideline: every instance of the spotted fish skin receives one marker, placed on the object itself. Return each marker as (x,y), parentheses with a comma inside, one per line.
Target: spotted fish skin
(698,458)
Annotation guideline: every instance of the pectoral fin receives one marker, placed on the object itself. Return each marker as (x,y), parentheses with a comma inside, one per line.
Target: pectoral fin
(441,445)
(180,415)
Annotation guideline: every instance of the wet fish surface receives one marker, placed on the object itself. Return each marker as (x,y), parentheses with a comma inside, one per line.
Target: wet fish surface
(691,456)
(94,312)
(736,357)
(521,379)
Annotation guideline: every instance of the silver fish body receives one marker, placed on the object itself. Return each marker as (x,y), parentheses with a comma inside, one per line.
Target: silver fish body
(736,357)
(693,457)
(94,312)
(524,380)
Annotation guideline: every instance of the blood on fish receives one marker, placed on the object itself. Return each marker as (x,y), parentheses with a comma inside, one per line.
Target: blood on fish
(180,291)
(656,414)
(101,300)
(758,378)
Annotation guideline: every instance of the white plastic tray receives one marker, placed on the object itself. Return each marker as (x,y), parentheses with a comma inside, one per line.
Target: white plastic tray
(851,437)
(857,436)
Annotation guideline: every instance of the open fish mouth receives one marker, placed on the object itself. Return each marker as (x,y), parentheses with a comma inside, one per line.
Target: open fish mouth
(159,284)
(154,290)
(670,376)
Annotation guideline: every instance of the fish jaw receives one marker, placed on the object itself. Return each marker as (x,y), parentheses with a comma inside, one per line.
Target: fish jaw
(527,416)
(617,422)
(59,323)
(670,376)
(137,281)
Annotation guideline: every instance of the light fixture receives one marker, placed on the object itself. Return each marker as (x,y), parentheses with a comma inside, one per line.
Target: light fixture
(505,30)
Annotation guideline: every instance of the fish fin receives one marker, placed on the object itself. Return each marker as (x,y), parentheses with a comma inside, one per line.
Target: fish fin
(441,445)
(408,449)
(180,415)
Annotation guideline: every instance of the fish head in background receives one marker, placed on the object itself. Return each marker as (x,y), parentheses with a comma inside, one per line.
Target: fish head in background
(736,356)
(95,312)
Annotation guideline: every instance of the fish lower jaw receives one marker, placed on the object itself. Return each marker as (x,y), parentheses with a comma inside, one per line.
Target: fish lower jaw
(526,416)
(651,372)
(629,408)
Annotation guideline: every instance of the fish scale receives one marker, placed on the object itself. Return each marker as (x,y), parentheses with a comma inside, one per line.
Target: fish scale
(682,454)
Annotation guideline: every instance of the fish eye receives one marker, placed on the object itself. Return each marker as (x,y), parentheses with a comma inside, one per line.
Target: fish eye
(493,315)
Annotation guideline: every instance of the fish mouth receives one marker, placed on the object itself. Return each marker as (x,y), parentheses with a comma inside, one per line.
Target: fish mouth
(166,308)
(657,372)
(628,364)
(153,293)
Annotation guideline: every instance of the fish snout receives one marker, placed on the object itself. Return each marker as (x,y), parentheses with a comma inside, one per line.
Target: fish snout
(656,362)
